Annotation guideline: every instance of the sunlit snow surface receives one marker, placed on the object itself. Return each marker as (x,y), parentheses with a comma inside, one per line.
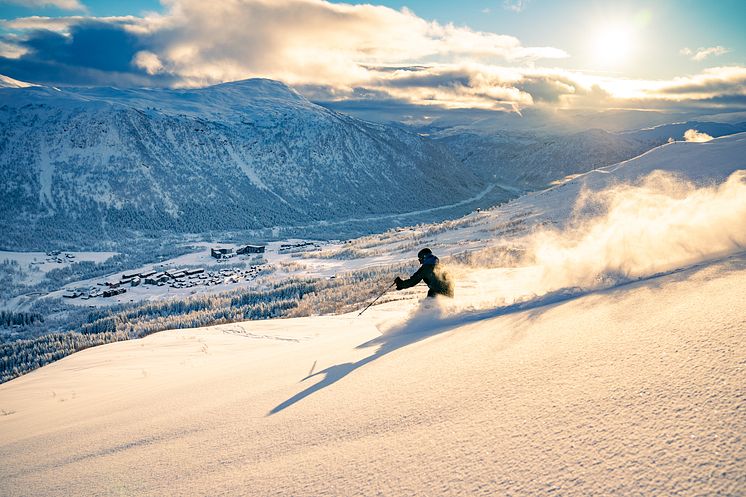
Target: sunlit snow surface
(604,358)
(636,390)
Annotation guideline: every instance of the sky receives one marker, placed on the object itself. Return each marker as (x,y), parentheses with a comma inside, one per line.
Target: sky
(473,54)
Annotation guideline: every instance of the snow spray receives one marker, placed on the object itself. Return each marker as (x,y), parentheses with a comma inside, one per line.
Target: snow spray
(617,235)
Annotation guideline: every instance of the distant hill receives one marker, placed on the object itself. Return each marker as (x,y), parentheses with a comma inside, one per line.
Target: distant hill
(533,160)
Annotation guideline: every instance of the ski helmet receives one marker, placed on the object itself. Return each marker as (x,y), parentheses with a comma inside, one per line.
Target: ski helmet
(424,253)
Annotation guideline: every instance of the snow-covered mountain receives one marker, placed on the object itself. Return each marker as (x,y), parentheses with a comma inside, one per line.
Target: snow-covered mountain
(8,82)
(89,162)
(608,360)
(532,160)
(675,131)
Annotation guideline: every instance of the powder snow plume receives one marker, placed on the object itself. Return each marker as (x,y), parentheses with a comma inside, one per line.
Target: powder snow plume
(620,234)
(657,225)
(692,135)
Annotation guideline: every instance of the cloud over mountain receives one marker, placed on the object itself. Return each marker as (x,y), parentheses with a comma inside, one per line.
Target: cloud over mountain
(334,50)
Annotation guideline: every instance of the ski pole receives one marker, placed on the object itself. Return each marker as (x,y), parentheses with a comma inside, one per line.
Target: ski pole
(374,301)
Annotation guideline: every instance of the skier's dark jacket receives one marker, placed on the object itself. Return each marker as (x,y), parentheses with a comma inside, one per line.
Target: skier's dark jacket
(433,275)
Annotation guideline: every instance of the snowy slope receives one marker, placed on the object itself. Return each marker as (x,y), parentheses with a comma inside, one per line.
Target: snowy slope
(88,163)
(675,131)
(701,163)
(533,160)
(8,82)
(633,391)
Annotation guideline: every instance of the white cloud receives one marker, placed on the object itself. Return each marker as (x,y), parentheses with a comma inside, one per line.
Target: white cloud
(474,85)
(712,83)
(60,4)
(348,50)
(6,82)
(515,5)
(313,41)
(11,50)
(148,61)
(702,53)
(692,135)
(58,24)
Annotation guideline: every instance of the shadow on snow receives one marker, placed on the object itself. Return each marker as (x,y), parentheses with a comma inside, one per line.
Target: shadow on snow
(428,321)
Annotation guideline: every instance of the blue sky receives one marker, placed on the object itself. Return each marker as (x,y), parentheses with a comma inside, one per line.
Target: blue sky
(502,54)
(569,24)
(673,25)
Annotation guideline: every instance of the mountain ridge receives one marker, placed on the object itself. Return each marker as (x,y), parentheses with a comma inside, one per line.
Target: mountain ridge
(243,155)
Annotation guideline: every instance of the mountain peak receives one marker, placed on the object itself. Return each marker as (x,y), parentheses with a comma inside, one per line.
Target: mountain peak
(259,88)
(8,82)
(226,100)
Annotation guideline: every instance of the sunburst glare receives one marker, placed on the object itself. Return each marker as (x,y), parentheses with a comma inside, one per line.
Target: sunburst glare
(612,44)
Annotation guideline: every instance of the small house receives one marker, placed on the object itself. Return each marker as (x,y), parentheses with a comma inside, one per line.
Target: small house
(221,252)
(251,249)
(113,292)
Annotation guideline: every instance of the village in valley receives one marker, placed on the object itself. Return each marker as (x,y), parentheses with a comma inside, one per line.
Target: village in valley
(218,268)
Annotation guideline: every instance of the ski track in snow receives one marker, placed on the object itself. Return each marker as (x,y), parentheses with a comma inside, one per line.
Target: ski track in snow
(239,331)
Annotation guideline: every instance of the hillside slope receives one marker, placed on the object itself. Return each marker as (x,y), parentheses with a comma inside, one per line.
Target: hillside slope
(533,160)
(91,163)
(632,391)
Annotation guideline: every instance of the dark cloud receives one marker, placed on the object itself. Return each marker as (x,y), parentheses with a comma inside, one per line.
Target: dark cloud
(395,68)
(90,44)
(388,109)
(448,79)
(93,53)
(733,102)
(717,86)
(547,89)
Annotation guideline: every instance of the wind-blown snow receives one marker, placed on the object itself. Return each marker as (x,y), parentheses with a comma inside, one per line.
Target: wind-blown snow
(625,223)
(692,135)
(625,232)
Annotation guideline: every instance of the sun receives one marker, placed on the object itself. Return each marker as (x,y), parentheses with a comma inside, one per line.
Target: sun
(612,45)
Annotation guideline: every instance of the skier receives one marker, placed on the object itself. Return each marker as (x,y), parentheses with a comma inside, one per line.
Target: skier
(431,273)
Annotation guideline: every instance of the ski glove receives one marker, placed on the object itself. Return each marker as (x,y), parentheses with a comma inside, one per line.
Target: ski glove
(398,282)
